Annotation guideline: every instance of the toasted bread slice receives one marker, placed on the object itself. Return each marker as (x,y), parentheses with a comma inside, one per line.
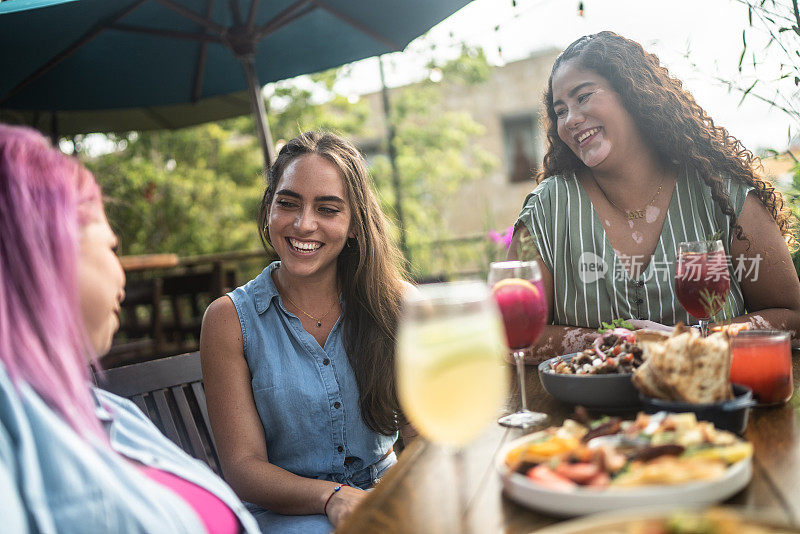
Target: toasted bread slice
(710,377)
(686,367)
(645,338)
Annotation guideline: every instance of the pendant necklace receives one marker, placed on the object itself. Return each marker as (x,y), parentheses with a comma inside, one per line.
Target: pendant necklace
(317,319)
(632,214)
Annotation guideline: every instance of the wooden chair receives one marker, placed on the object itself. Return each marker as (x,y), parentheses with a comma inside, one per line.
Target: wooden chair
(140,333)
(170,392)
(162,315)
(185,298)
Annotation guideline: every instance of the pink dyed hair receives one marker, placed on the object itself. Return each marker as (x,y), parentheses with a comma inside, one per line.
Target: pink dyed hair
(45,198)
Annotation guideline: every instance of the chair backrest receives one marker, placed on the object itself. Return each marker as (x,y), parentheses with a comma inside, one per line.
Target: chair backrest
(162,313)
(170,392)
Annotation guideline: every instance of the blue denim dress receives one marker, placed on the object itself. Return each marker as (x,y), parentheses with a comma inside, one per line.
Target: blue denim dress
(307,399)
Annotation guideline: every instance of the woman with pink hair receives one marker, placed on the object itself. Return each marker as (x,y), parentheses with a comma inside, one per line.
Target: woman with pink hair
(75,458)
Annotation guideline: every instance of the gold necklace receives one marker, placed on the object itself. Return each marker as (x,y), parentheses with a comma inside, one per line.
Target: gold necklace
(317,319)
(631,214)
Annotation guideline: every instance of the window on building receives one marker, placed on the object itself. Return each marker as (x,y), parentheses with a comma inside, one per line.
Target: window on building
(521,146)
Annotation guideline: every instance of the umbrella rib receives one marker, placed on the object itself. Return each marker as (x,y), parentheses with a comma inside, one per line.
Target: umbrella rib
(234,99)
(159,118)
(194,17)
(237,13)
(286,16)
(81,41)
(357,25)
(251,16)
(206,38)
(200,72)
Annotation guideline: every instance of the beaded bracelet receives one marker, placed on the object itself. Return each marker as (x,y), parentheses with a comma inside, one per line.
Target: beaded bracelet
(335,489)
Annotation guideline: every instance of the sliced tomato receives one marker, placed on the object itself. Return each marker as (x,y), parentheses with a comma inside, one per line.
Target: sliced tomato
(580,472)
(544,476)
(600,480)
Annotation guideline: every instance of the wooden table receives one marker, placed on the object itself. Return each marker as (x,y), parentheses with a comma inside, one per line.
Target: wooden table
(420,494)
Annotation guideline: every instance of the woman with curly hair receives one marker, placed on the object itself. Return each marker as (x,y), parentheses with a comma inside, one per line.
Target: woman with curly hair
(635,166)
(298,363)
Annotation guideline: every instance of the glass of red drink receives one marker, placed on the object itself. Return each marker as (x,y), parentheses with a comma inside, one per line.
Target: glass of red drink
(702,279)
(762,360)
(517,288)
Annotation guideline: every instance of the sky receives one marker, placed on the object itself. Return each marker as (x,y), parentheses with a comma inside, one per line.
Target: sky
(695,39)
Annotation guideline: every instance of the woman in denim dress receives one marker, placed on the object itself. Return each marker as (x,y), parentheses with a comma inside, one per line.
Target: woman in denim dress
(298,363)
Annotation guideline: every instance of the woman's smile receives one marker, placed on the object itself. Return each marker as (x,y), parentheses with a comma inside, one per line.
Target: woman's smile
(591,119)
(304,246)
(584,136)
(309,217)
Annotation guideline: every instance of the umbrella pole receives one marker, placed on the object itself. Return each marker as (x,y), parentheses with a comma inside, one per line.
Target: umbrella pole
(391,133)
(54,128)
(259,112)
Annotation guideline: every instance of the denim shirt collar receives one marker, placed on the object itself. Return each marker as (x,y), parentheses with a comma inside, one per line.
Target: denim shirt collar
(103,412)
(265,289)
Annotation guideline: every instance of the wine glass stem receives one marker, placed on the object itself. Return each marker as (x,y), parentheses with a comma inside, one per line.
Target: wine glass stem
(463,497)
(519,358)
(704,327)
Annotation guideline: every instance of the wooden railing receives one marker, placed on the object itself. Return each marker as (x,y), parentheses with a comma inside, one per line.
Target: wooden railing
(166,295)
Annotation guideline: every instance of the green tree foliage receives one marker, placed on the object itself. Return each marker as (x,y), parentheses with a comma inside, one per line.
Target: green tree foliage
(793,199)
(189,191)
(437,153)
(294,108)
(197,190)
(772,73)
(776,83)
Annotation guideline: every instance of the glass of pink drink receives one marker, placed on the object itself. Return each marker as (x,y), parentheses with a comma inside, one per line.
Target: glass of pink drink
(517,288)
(702,279)
(762,360)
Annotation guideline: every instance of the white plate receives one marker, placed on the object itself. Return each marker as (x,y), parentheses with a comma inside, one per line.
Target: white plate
(581,501)
(622,522)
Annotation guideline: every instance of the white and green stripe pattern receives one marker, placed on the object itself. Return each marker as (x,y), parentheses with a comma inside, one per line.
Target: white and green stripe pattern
(560,216)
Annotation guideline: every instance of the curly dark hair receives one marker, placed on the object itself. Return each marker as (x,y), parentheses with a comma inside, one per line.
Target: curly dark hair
(670,121)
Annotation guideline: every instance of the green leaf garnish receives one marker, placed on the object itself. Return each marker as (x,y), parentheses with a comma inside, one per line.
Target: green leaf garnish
(616,323)
(711,302)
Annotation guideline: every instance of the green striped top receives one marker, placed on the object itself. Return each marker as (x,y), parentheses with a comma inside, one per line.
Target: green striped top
(591,285)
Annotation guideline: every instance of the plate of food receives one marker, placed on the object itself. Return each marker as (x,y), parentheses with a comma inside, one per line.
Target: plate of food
(661,520)
(611,464)
(689,373)
(600,376)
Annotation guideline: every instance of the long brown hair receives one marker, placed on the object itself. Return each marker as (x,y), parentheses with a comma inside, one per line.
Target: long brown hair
(671,122)
(368,271)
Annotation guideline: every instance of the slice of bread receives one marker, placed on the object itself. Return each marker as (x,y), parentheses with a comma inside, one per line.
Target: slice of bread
(686,367)
(646,337)
(646,379)
(711,364)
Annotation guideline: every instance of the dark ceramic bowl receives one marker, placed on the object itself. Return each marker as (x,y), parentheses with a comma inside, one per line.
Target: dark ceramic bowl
(596,392)
(727,415)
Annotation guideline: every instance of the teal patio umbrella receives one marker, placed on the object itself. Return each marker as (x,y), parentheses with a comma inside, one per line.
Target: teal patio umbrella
(70,56)
(79,121)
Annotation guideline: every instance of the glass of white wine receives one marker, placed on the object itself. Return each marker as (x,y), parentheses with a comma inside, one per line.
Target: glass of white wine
(451,376)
